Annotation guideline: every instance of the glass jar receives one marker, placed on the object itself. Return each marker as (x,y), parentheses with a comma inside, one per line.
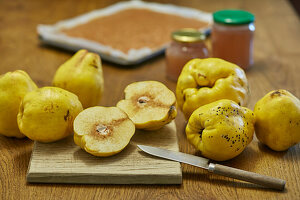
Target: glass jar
(186,44)
(232,37)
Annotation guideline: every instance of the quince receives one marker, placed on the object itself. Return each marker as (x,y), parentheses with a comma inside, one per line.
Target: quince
(203,81)
(278,120)
(82,75)
(103,131)
(13,87)
(149,104)
(47,114)
(221,130)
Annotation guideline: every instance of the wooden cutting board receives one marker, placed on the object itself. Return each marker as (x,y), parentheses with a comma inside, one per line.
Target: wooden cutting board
(65,162)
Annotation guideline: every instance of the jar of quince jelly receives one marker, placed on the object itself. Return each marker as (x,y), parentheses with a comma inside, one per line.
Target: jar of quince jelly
(186,45)
(232,36)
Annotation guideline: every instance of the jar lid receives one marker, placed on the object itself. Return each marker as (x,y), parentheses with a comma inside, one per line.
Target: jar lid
(188,35)
(233,17)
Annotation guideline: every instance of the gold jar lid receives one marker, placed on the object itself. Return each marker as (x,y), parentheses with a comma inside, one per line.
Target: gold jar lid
(188,35)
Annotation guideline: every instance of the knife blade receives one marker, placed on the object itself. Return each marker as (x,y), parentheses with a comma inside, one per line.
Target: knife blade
(201,162)
(176,156)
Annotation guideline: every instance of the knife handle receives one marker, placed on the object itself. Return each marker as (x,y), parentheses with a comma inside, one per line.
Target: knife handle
(251,177)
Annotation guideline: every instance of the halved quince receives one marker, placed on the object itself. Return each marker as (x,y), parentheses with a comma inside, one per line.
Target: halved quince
(149,104)
(103,131)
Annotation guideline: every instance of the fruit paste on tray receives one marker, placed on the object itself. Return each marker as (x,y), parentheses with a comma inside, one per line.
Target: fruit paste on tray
(126,32)
(133,29)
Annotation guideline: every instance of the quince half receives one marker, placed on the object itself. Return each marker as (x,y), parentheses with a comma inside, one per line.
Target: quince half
(47,114)
(278,120)
(13,87)
(221,130)
(103,131)
(203,81)
(149,104)
(82,75)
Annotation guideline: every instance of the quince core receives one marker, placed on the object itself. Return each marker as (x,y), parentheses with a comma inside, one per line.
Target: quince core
(103,131)
(149,104)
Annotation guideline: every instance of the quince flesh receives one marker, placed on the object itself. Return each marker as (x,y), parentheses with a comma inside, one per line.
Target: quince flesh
(221,130)
(149,104)
(47,114)
(13,87)
(278,120)
(203,81)
(82,75)
(103,131)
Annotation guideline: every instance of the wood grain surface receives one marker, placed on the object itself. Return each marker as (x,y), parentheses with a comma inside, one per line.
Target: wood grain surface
(276,56)
(65,162)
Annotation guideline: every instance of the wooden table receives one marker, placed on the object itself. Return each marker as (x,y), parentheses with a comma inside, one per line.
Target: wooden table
(277,58)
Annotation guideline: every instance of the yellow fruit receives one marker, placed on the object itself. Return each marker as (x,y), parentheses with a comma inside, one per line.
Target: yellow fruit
(149,104)
(82,75)
(203,81)
(103,131)
(278,120)
(47,114)
(13,87)
(221,130)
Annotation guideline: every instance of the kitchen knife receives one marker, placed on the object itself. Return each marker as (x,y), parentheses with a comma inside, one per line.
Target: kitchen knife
(197,161)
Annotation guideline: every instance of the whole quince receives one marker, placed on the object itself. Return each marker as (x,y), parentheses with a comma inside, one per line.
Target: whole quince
(149,104)
(47,114)
(13,87)
(82,75)
(203,81)
(278,120)
(103,131)
(221,130)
